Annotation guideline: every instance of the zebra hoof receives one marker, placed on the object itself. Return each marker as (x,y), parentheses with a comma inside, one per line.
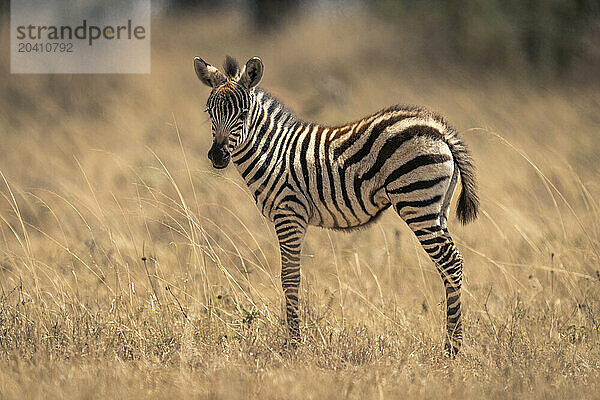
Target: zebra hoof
(451,349)
(290,347)
(292,342)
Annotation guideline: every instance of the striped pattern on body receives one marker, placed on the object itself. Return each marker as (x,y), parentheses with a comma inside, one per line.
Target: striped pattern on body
(302,173)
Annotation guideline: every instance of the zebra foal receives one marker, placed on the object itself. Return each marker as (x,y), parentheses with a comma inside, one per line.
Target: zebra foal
(302,173)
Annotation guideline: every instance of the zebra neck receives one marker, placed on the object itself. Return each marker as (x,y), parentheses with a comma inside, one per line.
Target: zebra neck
(268,121)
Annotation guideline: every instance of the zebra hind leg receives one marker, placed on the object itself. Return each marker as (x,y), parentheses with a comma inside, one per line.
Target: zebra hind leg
(429,228)
(438,244)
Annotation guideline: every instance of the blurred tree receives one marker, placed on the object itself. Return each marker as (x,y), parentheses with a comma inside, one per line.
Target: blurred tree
(184,6)
(4,7)
(266,15)
(544,35)
(271,14)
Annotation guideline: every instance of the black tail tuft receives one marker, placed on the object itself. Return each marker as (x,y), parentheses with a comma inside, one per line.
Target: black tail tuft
(468,201)
(468,205)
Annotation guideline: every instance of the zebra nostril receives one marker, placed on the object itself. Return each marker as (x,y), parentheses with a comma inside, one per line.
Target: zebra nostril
(219,155)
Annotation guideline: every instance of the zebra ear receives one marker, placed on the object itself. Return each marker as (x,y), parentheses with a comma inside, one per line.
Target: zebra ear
(208,74)
(252,72)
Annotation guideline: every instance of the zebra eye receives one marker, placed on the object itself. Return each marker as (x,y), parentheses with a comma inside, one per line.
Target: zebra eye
(206,110)
(244,114)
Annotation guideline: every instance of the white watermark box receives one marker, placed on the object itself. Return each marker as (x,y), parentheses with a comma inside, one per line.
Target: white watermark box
(79,36)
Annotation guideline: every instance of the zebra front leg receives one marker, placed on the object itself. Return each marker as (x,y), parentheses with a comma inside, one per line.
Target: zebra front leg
(290,230)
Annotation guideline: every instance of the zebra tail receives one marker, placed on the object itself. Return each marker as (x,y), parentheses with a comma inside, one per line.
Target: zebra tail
(468,201)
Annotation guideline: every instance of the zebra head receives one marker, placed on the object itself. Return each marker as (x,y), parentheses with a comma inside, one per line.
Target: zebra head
(228,103)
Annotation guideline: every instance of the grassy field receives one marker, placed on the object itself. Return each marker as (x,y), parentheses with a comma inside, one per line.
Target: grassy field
(130,269)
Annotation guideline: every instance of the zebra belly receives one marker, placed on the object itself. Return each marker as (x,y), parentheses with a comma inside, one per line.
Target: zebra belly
(323,218)
(337,207)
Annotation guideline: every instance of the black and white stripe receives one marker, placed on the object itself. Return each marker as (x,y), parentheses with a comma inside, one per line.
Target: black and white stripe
(302,173)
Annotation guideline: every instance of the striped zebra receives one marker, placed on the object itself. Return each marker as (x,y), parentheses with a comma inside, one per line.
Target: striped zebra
(343,177)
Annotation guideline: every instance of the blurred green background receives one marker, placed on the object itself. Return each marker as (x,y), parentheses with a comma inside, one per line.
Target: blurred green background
(541,38)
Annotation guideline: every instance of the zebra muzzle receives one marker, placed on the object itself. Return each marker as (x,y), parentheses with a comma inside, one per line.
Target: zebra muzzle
(219,155)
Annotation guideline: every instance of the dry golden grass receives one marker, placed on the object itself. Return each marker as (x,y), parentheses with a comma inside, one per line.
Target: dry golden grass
(99,172)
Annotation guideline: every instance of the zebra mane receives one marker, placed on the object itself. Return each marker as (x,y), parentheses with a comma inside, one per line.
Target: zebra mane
(293,117)
(231,67)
